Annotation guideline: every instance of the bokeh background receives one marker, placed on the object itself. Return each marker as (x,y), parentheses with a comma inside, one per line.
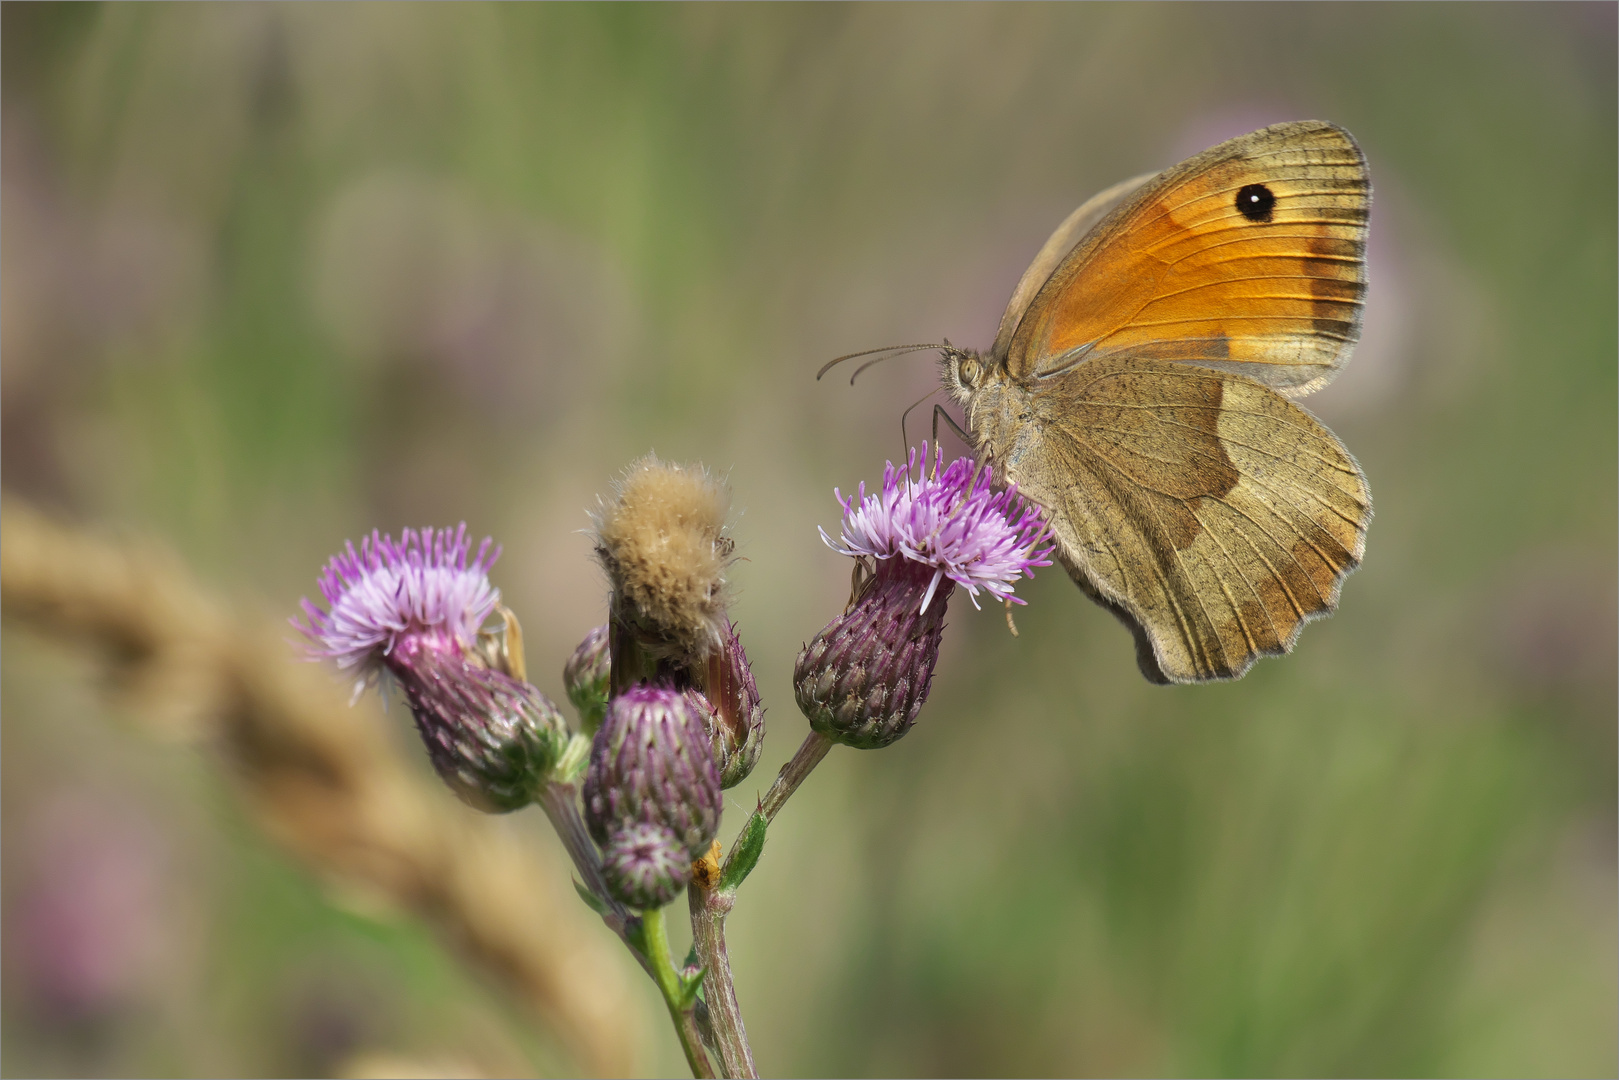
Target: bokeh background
(276,275)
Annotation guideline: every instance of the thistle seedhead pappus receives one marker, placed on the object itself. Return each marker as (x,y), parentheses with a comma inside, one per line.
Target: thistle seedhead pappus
(661,539)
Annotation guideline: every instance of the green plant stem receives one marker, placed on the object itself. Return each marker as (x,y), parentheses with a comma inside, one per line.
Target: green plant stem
(792,774)
(559,800)
(663,969)
(709,907)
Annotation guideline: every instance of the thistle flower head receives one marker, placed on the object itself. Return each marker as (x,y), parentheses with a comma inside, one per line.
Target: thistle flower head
(428,586)
(952,521)
(414,609)
(862,680)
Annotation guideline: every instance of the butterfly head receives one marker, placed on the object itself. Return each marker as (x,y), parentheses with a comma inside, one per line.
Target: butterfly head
(964,371)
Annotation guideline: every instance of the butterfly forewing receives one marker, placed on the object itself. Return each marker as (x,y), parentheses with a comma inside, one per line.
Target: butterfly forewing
(1249,257)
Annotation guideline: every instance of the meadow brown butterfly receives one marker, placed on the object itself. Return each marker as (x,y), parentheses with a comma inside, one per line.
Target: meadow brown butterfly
(1137,389)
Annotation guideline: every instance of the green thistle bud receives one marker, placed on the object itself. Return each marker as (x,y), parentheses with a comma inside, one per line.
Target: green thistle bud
(586,676)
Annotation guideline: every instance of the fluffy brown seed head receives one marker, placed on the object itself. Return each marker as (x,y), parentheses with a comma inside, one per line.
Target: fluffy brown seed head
(661,538)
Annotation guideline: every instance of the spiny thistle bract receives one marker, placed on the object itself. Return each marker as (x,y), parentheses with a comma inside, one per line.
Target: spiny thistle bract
(736,720)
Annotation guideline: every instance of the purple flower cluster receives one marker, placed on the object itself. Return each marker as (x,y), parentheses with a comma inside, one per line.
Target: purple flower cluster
(427,585)
(953,521)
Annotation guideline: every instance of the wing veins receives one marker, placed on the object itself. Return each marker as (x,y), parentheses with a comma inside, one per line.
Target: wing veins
(1236,609)
(1251,296)
(1303,535)
(1243,318)
(1205,453)
(1280,496)
(1194,644)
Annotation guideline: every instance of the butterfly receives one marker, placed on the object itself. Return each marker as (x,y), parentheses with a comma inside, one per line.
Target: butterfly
(1138,391)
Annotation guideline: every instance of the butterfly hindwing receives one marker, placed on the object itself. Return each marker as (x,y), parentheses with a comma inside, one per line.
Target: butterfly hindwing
(1217,516)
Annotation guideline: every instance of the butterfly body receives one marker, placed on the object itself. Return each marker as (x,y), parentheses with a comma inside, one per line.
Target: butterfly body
(1135,390)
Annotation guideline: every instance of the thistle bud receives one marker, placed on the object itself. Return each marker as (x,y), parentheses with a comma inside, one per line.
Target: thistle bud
(586,676)
(645,865)
(862,680)
(651,765)
(736,722)
(413,611)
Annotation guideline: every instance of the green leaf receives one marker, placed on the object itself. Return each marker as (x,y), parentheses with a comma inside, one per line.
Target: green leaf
(635,934)
(746,856)
(690,987)
(595,903)
(691,958)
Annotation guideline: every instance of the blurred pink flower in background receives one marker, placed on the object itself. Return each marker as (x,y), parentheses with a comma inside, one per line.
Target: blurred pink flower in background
(90,925)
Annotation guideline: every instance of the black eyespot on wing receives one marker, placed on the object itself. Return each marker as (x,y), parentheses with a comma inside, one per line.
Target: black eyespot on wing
(1256,202)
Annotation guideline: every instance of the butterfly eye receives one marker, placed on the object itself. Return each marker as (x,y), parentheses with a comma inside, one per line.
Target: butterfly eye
(1255,201)
(969,371)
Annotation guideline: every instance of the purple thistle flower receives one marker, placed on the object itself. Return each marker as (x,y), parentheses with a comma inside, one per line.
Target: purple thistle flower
(952,521)
(423,587)
(414,609)
(864,677)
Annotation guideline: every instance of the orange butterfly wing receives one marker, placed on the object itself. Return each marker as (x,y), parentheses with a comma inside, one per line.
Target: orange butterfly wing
(1249,257)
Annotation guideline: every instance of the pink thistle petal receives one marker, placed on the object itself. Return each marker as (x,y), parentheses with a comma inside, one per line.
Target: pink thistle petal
(952,520)
(428,586)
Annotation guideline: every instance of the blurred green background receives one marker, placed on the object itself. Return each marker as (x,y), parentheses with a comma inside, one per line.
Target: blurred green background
(275,275)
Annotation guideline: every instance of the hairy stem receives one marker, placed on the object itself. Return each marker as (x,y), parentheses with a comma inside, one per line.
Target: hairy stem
(793,774)
(709,907)
(663,970)
(559,801)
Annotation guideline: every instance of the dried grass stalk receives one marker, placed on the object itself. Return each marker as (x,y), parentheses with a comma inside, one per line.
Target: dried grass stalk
(322,778)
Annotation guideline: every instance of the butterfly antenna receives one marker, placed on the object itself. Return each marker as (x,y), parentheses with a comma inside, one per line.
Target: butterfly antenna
(897,350)
(890,356)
